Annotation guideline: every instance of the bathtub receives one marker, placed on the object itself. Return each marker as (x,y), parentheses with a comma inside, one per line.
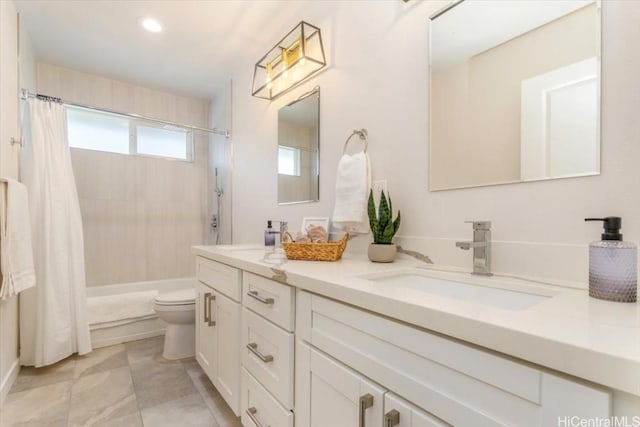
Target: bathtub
(135,328)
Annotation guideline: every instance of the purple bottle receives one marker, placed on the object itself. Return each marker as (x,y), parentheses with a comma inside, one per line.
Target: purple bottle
(613,272)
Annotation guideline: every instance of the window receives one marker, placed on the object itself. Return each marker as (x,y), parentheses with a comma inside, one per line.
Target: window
(159,141)
(288,160)
(97,131)
(91,130)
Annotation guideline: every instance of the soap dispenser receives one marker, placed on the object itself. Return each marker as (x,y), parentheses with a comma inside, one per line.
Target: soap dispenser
(613,273)
(269,235)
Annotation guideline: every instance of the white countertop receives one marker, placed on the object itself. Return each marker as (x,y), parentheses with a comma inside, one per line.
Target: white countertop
(570,332)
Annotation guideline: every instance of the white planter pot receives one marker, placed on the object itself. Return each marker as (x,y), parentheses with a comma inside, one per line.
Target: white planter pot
(382,253)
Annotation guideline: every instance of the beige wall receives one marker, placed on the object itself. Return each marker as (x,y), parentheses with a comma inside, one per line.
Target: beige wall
(377,79)
(479,122)
(8,167)
(13,76)
(140,214)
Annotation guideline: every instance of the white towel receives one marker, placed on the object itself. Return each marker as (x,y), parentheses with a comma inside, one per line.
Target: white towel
(16,252)
(113,310)
(353,182)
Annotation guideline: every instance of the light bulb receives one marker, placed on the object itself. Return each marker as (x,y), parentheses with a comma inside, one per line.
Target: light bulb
(150,24)
(301,58)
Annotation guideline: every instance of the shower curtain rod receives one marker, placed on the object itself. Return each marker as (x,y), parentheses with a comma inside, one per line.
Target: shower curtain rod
(26,94)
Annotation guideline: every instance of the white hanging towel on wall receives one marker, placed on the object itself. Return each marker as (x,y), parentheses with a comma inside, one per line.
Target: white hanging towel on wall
(353,182)
(16,251)
(53,318)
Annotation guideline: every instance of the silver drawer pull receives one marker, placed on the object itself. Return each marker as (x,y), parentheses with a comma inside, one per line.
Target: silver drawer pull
(252,416)
(211,321)
(206,307)
(366,401)
(391,418)
(253,348)
(254,295)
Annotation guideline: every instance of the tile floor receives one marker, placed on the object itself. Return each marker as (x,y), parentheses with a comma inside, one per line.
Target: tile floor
(125,385)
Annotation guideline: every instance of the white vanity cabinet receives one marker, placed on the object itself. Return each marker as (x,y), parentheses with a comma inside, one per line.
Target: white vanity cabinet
(285,357)
(267,346)
(458,383)
(218,327)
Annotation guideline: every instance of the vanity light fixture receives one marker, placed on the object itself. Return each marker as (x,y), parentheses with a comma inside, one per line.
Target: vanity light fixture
(295,58)
(150,24)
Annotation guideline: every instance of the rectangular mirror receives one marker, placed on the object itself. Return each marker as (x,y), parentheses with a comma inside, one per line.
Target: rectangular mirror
(298,150)
(514,92)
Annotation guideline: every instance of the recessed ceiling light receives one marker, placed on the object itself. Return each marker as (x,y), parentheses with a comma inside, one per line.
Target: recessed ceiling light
(150,24)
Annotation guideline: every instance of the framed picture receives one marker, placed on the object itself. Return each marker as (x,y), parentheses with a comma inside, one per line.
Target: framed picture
(314,220)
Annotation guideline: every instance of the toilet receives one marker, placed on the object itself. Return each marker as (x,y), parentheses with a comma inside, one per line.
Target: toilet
(178,309)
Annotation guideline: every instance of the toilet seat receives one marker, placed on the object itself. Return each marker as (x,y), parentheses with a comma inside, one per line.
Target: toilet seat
(181,297)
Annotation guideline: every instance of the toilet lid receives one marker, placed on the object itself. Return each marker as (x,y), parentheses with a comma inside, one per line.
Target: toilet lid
(184,296)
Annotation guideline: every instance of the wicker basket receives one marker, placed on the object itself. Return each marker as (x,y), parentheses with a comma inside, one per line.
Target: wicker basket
(330,251)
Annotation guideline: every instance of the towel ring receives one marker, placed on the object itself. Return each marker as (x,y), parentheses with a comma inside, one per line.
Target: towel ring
(362,133)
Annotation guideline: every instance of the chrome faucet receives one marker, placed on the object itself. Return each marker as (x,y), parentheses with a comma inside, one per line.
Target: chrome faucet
(481,246)
(284,227)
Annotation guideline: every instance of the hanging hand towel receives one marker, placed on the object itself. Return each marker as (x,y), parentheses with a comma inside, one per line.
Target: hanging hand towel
(352,191)
(16,257)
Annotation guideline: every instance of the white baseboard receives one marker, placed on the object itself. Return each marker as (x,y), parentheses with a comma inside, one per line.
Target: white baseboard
(8,380)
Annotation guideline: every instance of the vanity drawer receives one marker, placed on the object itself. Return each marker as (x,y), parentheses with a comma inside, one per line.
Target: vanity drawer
(272,300)
(257,404)
(267,352)
(221,277)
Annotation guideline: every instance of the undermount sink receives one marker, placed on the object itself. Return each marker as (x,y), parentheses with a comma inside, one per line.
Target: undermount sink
(491,294)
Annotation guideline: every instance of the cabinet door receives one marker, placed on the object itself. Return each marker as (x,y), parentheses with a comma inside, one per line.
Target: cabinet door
(400,413)
(226,316)
(328,394)
(206,333)
(563,398)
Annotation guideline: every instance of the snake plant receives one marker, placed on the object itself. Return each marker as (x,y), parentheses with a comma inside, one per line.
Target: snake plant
(382,224)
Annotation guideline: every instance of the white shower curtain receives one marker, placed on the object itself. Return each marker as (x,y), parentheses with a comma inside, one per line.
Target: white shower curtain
(53,320)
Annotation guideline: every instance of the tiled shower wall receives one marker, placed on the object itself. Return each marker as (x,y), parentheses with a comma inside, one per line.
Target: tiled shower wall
(140,214)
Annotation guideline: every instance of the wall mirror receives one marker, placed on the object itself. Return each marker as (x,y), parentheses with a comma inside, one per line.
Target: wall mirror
(298,149)
(514,92)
